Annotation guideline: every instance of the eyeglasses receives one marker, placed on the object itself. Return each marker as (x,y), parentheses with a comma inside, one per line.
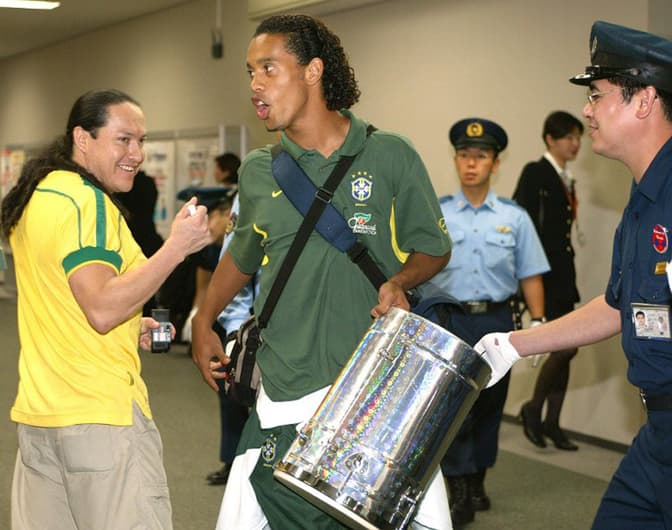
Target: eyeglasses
(594,97)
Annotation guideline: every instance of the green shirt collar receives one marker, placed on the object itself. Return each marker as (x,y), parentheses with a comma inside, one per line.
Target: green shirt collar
(352,145)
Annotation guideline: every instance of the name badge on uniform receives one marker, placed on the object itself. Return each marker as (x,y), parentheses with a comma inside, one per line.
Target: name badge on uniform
(651,321)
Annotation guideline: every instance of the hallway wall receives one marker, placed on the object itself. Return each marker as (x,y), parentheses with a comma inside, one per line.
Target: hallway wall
(421,66)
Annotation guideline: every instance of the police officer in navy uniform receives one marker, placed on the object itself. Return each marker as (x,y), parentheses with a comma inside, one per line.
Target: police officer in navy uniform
(629,114)
(495,250)
(546,190)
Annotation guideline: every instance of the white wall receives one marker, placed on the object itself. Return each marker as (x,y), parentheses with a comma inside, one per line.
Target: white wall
(421,66)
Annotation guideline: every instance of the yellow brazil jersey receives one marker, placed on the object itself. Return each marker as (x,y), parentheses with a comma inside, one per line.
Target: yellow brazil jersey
(68,373)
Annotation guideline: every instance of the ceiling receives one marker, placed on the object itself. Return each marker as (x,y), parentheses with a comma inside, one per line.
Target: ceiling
(22,30)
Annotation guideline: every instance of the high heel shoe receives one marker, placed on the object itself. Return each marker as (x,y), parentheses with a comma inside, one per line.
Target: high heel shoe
(559,438)
(532,425)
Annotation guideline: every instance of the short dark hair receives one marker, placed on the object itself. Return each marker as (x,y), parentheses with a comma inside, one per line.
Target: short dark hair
(631,87)
(229,162)
(90,112)
(307,38)
(559,124)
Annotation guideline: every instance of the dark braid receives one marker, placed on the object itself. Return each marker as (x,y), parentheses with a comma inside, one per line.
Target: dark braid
(90,112)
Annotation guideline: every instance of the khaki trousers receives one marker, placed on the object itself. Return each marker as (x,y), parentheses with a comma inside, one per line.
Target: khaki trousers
(93,477)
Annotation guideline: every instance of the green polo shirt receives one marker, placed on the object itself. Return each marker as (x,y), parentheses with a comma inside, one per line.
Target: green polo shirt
(324,311)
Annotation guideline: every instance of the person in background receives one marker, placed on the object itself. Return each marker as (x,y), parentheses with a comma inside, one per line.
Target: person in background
(629,115)
(90,455)
(184,287)
(205,261)
(496,251)
(226,169)
(232,415)
(140,203)
(546,190)
(302,86)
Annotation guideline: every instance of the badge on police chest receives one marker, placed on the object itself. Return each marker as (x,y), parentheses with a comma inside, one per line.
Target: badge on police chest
(651,321)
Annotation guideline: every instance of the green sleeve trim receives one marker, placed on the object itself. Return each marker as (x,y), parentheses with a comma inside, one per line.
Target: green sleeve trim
(101,229)
(89,254)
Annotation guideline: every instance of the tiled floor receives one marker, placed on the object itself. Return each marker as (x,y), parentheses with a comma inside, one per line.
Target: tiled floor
(589,460)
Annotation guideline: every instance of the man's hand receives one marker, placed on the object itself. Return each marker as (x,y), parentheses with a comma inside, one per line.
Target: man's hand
(207,352)
(147,324)
(390,295)
(498,352)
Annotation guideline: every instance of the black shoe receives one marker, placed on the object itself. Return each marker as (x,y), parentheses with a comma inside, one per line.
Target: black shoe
(479,500)
(220,476)
(559,438)
(532,425)
(459,499)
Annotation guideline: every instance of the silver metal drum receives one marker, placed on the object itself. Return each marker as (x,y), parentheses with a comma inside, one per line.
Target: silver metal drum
(371,448)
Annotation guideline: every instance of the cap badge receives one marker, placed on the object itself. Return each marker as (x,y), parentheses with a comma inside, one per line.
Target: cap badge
(474,129)
(659,239)
(593,47)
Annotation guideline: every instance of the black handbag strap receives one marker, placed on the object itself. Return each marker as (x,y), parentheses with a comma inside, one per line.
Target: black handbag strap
(323,197)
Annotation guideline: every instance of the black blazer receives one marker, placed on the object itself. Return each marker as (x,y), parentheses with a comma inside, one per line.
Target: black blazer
(541,192)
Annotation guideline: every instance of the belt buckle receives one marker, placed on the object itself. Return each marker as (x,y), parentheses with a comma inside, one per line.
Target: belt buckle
(476,307)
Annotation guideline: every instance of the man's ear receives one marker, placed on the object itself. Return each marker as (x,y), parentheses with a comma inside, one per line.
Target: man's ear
(646,98)
(80,139)
(314,71)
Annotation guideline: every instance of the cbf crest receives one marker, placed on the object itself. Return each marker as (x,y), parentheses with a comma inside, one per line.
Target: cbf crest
(268,448)
(361,186)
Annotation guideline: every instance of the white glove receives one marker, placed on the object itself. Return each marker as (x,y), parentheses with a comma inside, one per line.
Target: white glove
(668,269)
(497,351)
(186,329)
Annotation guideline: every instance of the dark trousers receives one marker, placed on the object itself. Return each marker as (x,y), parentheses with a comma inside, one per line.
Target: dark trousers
(640,492)
(475,446)
(232,419)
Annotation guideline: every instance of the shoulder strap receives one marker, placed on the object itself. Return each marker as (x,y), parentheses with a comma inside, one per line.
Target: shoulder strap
(300,190)
(322,198)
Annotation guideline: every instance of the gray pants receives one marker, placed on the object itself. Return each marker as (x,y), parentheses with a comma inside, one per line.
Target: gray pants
(91,476)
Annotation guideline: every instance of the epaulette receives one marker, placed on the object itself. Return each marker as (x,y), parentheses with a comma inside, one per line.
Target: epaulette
(446,198)
(506,200)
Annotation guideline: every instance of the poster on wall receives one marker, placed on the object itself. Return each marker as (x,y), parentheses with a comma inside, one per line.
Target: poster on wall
(160,164)
(195,161)
(11,162)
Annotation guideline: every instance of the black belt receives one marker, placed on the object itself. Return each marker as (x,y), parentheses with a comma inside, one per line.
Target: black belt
(656,403)
(477,307)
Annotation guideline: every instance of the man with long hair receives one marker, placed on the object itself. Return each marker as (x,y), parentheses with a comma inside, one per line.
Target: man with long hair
(90,455)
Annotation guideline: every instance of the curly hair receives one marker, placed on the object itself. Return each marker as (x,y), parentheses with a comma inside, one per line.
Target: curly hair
(307,38)
(90,112)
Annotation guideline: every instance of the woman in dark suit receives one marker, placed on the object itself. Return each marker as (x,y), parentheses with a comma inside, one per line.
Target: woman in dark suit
(546,190)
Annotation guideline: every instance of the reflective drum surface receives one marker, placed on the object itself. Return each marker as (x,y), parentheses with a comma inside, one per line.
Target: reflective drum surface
(372,447)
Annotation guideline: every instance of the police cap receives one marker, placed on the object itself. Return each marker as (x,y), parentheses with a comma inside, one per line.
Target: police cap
(477,132)
(208,196)
(624,52)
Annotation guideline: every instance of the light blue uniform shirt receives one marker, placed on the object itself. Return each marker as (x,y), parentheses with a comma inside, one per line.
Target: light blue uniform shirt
(494,246)
(238,310)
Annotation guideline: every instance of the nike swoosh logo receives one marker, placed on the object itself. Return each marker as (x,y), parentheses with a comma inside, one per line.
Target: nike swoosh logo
(276,193)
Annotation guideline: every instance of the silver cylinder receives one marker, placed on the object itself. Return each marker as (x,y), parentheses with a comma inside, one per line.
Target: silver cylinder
(371,448)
